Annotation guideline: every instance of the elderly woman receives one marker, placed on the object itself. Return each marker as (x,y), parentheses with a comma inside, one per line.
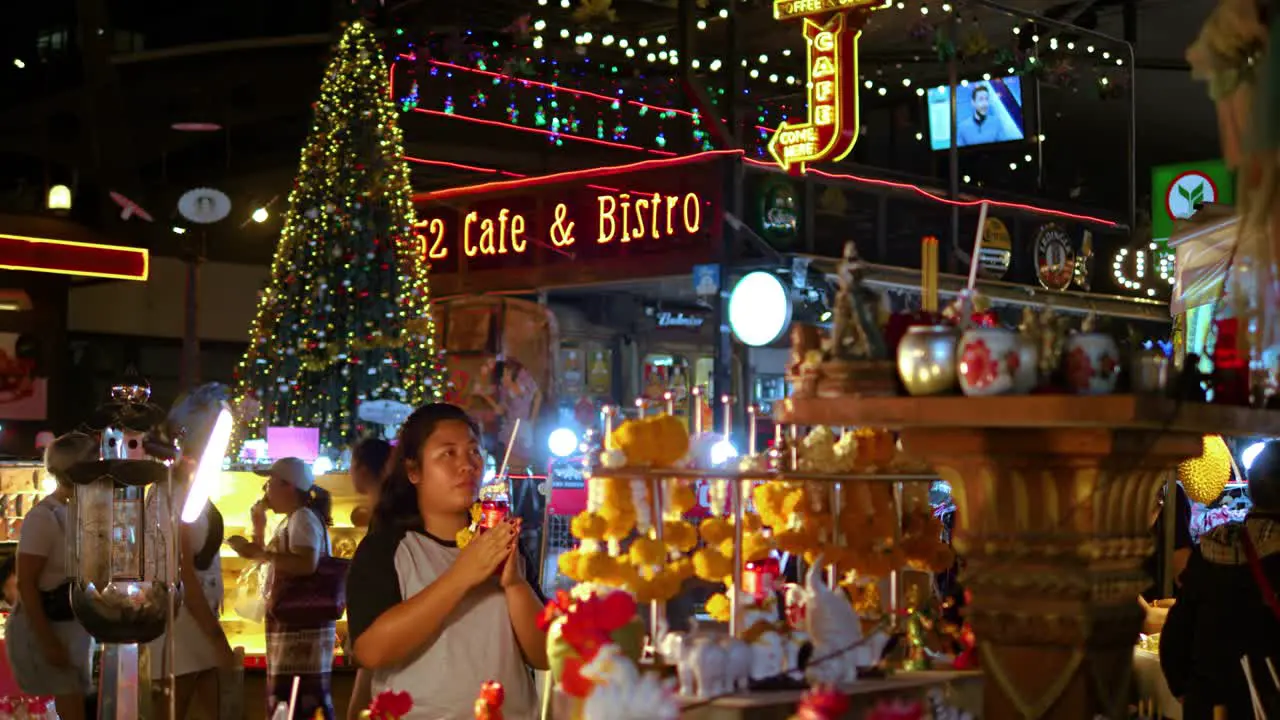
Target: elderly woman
(1227,609)
(48,650)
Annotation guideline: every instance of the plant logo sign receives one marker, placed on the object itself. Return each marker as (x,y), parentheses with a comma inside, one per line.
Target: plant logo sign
(1187,191)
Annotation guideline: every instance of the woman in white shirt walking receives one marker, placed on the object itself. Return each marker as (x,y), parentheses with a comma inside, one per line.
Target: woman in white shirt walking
(48,649)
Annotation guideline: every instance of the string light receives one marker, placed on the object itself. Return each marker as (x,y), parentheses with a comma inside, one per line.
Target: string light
(345,317)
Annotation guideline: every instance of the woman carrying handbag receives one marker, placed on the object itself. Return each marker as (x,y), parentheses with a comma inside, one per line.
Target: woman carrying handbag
(306,591)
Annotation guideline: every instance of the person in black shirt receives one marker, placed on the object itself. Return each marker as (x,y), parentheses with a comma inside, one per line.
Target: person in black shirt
(1227,609)
(1182,544)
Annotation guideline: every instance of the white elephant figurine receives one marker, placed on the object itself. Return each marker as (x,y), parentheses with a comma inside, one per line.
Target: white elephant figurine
(836,631)
(674,649)
(738,667)
(708,662)
(795,640)
(768,655)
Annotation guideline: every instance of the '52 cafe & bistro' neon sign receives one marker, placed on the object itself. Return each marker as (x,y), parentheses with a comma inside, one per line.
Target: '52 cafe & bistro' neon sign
(563,224)
(831,129)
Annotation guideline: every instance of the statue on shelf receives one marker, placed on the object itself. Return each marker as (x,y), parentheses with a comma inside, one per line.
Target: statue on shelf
(920,625)
(855,329)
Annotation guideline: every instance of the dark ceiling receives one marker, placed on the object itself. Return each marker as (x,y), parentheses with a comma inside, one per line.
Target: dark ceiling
(99,112)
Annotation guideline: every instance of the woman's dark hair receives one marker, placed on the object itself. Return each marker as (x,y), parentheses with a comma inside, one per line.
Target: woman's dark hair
(1264,479)
(320,502)
(372,453)
(398,504)
(8,567)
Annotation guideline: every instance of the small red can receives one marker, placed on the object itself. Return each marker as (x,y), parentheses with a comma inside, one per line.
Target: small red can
(493,512)
(760,577)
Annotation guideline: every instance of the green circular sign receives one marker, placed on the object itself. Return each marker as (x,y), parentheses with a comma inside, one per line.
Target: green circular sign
(779,212)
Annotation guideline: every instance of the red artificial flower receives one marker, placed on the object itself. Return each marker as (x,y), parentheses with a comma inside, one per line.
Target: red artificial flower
(390,705)
(979,367)
(571,680)
(492,694)
(823,704)
(561,604)
(1079,369)
(896,710)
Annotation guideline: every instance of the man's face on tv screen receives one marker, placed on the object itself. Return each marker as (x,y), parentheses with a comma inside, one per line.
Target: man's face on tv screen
(981,102)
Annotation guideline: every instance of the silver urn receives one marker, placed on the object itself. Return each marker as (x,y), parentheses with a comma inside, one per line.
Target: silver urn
(927,359)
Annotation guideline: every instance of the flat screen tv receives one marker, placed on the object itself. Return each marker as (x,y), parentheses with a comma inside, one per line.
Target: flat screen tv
(987,112)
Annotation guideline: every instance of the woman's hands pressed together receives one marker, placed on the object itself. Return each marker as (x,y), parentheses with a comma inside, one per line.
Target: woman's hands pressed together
(480,559)
(513,571)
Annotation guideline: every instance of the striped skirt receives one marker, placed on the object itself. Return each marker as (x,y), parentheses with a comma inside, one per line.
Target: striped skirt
(306,654)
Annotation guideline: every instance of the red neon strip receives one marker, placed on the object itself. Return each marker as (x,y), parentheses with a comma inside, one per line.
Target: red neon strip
(959,203)
(649,164)
(64,257)
(460,166)
(588,173)
(557,88)
(540,131)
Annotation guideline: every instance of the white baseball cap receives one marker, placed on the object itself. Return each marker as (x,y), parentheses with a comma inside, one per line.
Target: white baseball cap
(292,470)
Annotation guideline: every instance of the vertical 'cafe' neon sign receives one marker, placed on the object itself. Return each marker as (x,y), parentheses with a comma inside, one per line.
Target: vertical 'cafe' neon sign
(831,129)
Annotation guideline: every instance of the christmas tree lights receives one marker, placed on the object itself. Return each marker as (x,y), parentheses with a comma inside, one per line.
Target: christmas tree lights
(345,317)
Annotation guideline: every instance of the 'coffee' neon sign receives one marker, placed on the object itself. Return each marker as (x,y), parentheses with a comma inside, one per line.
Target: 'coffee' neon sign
(831,129)
(606,219)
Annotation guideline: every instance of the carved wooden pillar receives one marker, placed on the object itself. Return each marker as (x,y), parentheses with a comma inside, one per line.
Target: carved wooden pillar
(1055,497)
(1054,526)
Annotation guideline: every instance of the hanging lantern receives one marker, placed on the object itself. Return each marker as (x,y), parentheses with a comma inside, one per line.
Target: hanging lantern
(120,590)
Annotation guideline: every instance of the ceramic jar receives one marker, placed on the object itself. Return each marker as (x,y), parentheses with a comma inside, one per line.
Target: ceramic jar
(927,359)
(988,361)
(1091,363)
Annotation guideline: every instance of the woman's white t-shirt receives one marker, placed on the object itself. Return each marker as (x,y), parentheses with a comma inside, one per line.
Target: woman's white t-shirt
(44,534)
(476,642)
(301,529)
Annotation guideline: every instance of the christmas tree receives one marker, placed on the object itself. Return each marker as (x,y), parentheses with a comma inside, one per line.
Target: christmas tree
(345,317)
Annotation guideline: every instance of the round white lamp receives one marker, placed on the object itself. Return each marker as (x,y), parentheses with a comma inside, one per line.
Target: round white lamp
(759,309)
(562,442)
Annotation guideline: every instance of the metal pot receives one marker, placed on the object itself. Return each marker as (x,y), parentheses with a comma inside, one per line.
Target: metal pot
(927,359)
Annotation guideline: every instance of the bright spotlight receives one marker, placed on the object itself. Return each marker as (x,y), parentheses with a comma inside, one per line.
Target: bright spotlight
(562,442)
(260,215)
(322,465)
(1250,454)
(722,452)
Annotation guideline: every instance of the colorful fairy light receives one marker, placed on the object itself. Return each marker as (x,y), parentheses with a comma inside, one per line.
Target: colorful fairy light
(345,317)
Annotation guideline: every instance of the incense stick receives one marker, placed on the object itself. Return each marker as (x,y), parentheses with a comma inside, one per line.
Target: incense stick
(506,458)
(977,246)
(293,695)
(511,442)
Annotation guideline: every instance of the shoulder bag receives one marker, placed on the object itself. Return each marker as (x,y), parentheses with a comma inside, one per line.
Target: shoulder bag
(311,600)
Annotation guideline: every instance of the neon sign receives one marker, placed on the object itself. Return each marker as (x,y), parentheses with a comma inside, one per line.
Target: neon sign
(788,9)
(65,257)
(509,231)
(831,129)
